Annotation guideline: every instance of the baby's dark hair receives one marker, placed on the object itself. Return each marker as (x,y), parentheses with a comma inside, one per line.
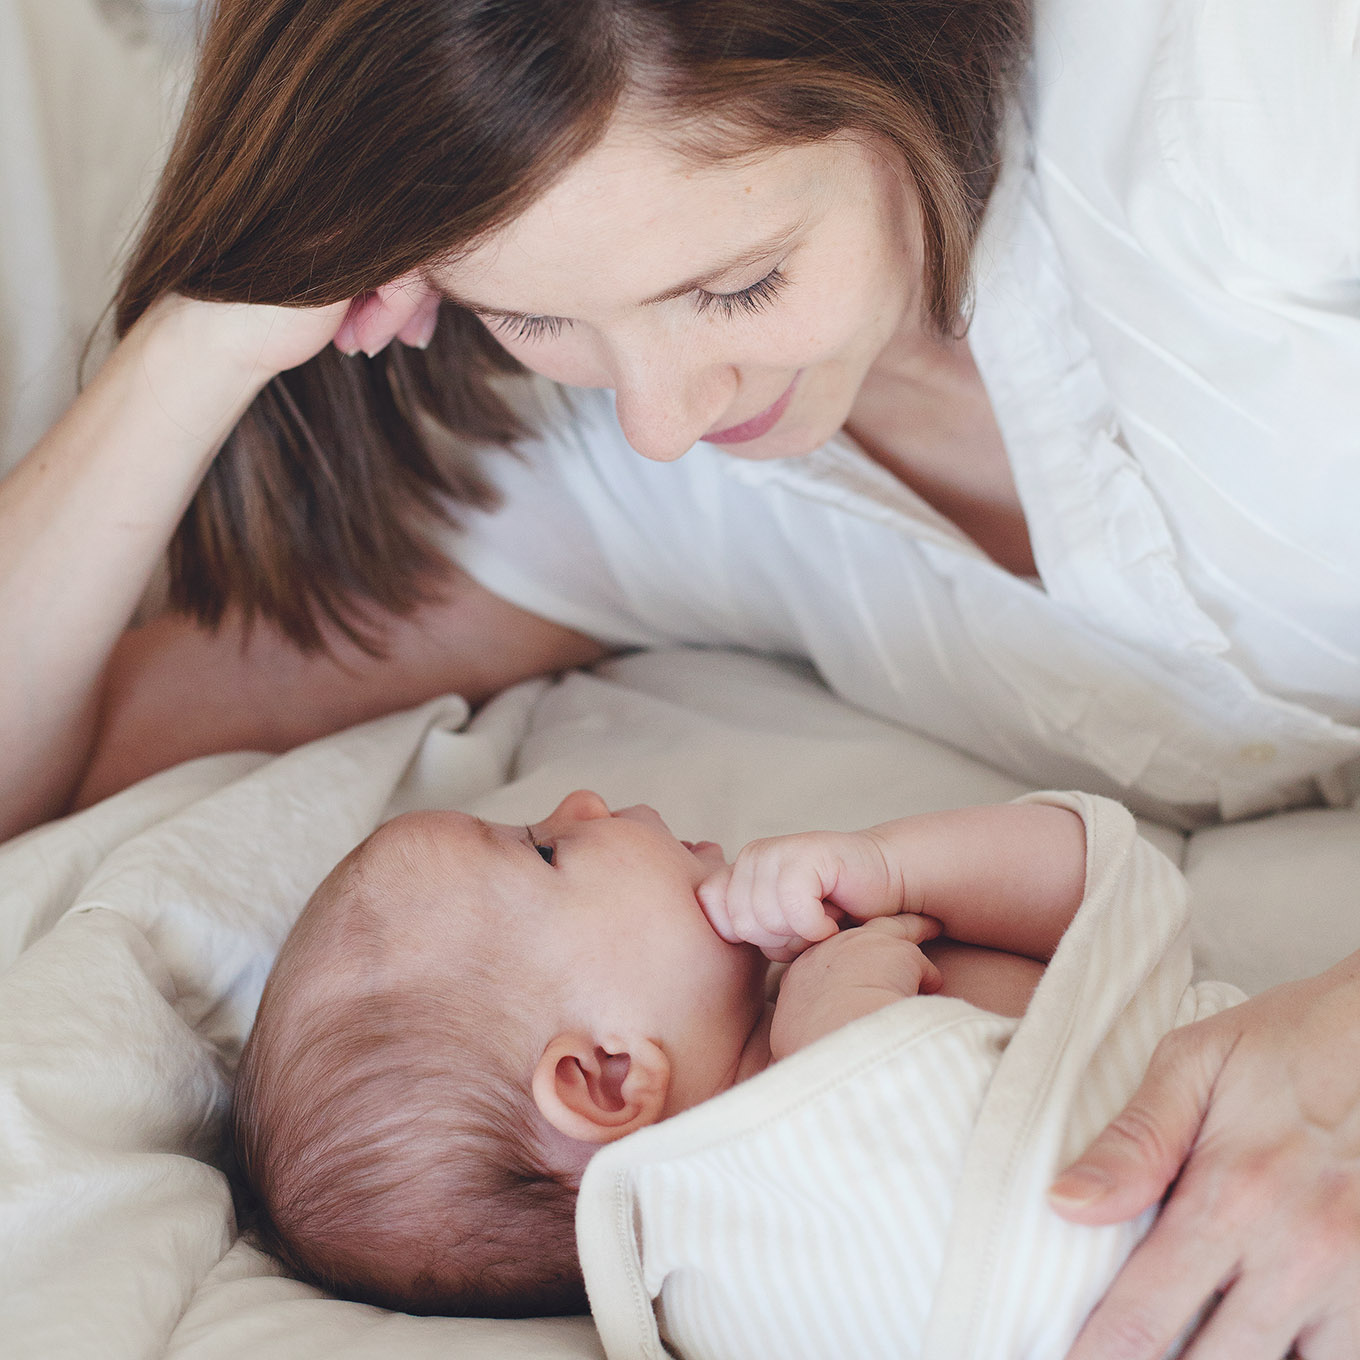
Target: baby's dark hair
(387,1139)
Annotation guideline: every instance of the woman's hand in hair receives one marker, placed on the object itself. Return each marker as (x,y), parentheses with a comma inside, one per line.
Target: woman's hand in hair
(406,309)
(260,341)
(249,341)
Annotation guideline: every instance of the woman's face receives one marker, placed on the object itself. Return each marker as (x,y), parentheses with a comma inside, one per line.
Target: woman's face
(741,302)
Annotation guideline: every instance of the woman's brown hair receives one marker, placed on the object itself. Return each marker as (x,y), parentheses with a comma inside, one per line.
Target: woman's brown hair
(329,146)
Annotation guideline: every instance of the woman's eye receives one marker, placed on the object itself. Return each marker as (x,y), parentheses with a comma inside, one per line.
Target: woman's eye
(749,300)
(527,327)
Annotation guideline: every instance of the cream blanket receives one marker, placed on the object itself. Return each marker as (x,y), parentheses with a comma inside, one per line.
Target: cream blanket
(881,1193)
(135,938)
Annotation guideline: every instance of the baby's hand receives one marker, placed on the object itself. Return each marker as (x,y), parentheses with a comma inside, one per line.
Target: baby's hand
(788,892)
(857,973)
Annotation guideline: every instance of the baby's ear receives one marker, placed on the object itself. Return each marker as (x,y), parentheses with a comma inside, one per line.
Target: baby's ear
(596,1093)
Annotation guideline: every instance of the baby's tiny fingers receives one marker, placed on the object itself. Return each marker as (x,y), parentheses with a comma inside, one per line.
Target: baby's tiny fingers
(920,928)
(713,895)
(906,925)
(786,951)
(931,978)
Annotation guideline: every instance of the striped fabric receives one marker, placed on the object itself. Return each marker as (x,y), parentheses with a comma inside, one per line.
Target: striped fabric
(881,1193)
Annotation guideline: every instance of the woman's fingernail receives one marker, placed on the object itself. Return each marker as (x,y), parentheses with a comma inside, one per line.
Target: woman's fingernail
(426,333)
(1084,1186)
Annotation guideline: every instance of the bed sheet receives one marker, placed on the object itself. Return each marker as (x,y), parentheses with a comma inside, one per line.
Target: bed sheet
(135,938)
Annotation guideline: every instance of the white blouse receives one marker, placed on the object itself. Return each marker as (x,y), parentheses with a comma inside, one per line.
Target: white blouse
(1167,322)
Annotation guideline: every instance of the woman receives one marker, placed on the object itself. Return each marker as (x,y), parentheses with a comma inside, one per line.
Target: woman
(751,224)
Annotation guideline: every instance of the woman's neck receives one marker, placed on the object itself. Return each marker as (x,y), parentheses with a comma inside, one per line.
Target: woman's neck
(923,413)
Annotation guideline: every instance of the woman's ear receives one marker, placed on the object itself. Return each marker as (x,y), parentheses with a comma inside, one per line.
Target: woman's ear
(595,1092)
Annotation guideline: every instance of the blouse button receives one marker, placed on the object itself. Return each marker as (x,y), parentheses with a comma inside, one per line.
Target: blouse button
(1257,753)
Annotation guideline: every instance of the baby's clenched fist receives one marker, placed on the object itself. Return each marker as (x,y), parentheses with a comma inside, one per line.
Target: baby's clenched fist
(788,892)
(858,972)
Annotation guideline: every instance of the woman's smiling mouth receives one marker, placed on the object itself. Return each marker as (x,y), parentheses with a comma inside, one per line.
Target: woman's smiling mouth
(757,425)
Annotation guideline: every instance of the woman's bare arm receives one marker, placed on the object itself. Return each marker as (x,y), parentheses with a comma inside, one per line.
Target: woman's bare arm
(86,517)
(174,691)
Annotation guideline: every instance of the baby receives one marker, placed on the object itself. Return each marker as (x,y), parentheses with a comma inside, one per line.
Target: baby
(465,1013)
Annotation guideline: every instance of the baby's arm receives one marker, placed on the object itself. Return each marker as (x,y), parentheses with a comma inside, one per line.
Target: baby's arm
(1009,877)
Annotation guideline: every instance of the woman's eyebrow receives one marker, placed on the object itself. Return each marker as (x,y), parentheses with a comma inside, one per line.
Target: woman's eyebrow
(750,255)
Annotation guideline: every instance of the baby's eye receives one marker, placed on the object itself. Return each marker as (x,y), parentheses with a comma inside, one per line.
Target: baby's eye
(545,852)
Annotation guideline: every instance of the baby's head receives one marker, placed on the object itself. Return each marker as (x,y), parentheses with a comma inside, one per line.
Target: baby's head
(463,1013)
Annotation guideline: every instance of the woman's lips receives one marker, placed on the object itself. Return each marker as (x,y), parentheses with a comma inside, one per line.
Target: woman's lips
(757,425)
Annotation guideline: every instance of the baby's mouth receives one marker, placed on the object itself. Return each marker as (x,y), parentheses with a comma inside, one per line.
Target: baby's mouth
(708,853)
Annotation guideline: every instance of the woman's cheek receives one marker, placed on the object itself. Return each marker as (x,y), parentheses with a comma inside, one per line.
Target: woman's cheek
(558,359)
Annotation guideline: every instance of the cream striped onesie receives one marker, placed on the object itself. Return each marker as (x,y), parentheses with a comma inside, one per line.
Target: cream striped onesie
(881,1192)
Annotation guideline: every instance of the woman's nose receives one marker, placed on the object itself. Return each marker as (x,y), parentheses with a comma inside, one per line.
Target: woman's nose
(581,806)
(665,408)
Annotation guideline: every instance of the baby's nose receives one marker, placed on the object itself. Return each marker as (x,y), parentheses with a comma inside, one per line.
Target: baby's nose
(582,806)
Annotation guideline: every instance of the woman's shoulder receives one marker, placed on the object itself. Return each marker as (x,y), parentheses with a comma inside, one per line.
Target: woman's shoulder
(1238,112)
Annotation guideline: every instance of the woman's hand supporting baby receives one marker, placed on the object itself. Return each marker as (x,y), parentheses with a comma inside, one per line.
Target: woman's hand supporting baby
(1254,1116)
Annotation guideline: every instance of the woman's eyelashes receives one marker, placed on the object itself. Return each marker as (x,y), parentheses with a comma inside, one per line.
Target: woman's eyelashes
(529,327)
(750,300)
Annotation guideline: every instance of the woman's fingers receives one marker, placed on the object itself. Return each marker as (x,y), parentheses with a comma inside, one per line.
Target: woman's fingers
(1338,1338)
(347,339)
(1249,1324)
(1268,1202)
(406,309)
(419,330)
(1163,1286)
(1132,1162)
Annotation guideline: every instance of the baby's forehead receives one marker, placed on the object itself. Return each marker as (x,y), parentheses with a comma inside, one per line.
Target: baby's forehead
(435,841)
(417,895)
(427,864)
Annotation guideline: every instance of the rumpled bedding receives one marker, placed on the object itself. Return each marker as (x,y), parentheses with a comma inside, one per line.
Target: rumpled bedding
(135,938)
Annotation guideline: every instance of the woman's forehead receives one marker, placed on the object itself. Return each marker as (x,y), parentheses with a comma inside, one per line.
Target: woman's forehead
(634,219)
